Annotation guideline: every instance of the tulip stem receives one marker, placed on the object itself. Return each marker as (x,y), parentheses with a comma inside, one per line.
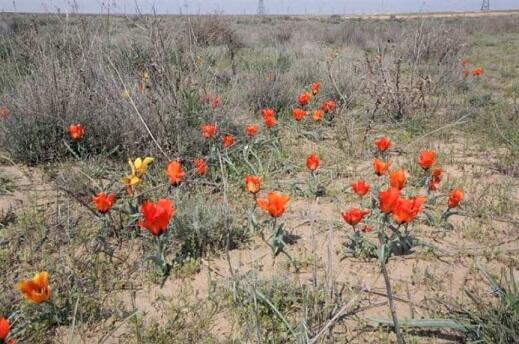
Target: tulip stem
(399,338)
(383,241)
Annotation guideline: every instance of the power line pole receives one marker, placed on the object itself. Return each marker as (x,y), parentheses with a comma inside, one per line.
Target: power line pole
(485,5)
(261,8)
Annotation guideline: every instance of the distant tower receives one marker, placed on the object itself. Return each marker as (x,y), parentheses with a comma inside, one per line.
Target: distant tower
(261,8)
(485,5)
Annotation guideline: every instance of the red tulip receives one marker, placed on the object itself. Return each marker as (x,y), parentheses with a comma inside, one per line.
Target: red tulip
(304,98)
(4,330)
(455,197)
(328,106)
(269,122)
(315,86)
(252,184)
(427,159)
(208,130)
(380,167)
(313,162)
(383,144)
(435,179)
(269,117)
(175,172)
(251,130)
(360,187)
(388,199)
(76,131)
(156,217)
(200,166)
(268,112)
(353,216)
(103,202)
(477,71)
(317,115)
(397,179)
(298,114)
(228,141)
(406,210)
(274,204)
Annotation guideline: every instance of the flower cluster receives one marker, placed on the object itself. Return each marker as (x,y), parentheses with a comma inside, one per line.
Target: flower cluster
(304,99)
(476,71)
(392,208)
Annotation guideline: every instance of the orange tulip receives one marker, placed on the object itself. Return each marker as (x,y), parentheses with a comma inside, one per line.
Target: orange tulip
(268,112)
(251,130)
(269,117)
(269,122)
(455,197)
(4,330)
(228,141)
(380,167)
(315,86)
(477,71)
(388,199)
(76,131)
(427,159)
(274,204)
(156,217)
(298,114)
(317,115)
(360,187)
(354,215)
(313,162)
(435,179)
(382,144)
(397,179)
(406,210)
(304,98)
(36,290)
(200,166)
(252,184)
(103,202)
(328,106)
(208,130)
(175,172)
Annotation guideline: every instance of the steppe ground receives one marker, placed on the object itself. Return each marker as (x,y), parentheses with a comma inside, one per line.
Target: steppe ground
(398,77)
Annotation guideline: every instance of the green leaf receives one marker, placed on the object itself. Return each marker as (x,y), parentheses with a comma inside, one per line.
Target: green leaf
(423,323)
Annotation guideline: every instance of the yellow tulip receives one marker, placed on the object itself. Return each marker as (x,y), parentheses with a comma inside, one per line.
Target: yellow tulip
(139,166)
(130,180)
(36,290)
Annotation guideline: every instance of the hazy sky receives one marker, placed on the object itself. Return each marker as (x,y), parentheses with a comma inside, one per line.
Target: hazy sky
(250,6)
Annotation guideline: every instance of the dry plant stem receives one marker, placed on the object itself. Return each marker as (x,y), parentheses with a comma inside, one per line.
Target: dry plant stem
(350,305)
(226,201)
(138,112)
(399,338)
